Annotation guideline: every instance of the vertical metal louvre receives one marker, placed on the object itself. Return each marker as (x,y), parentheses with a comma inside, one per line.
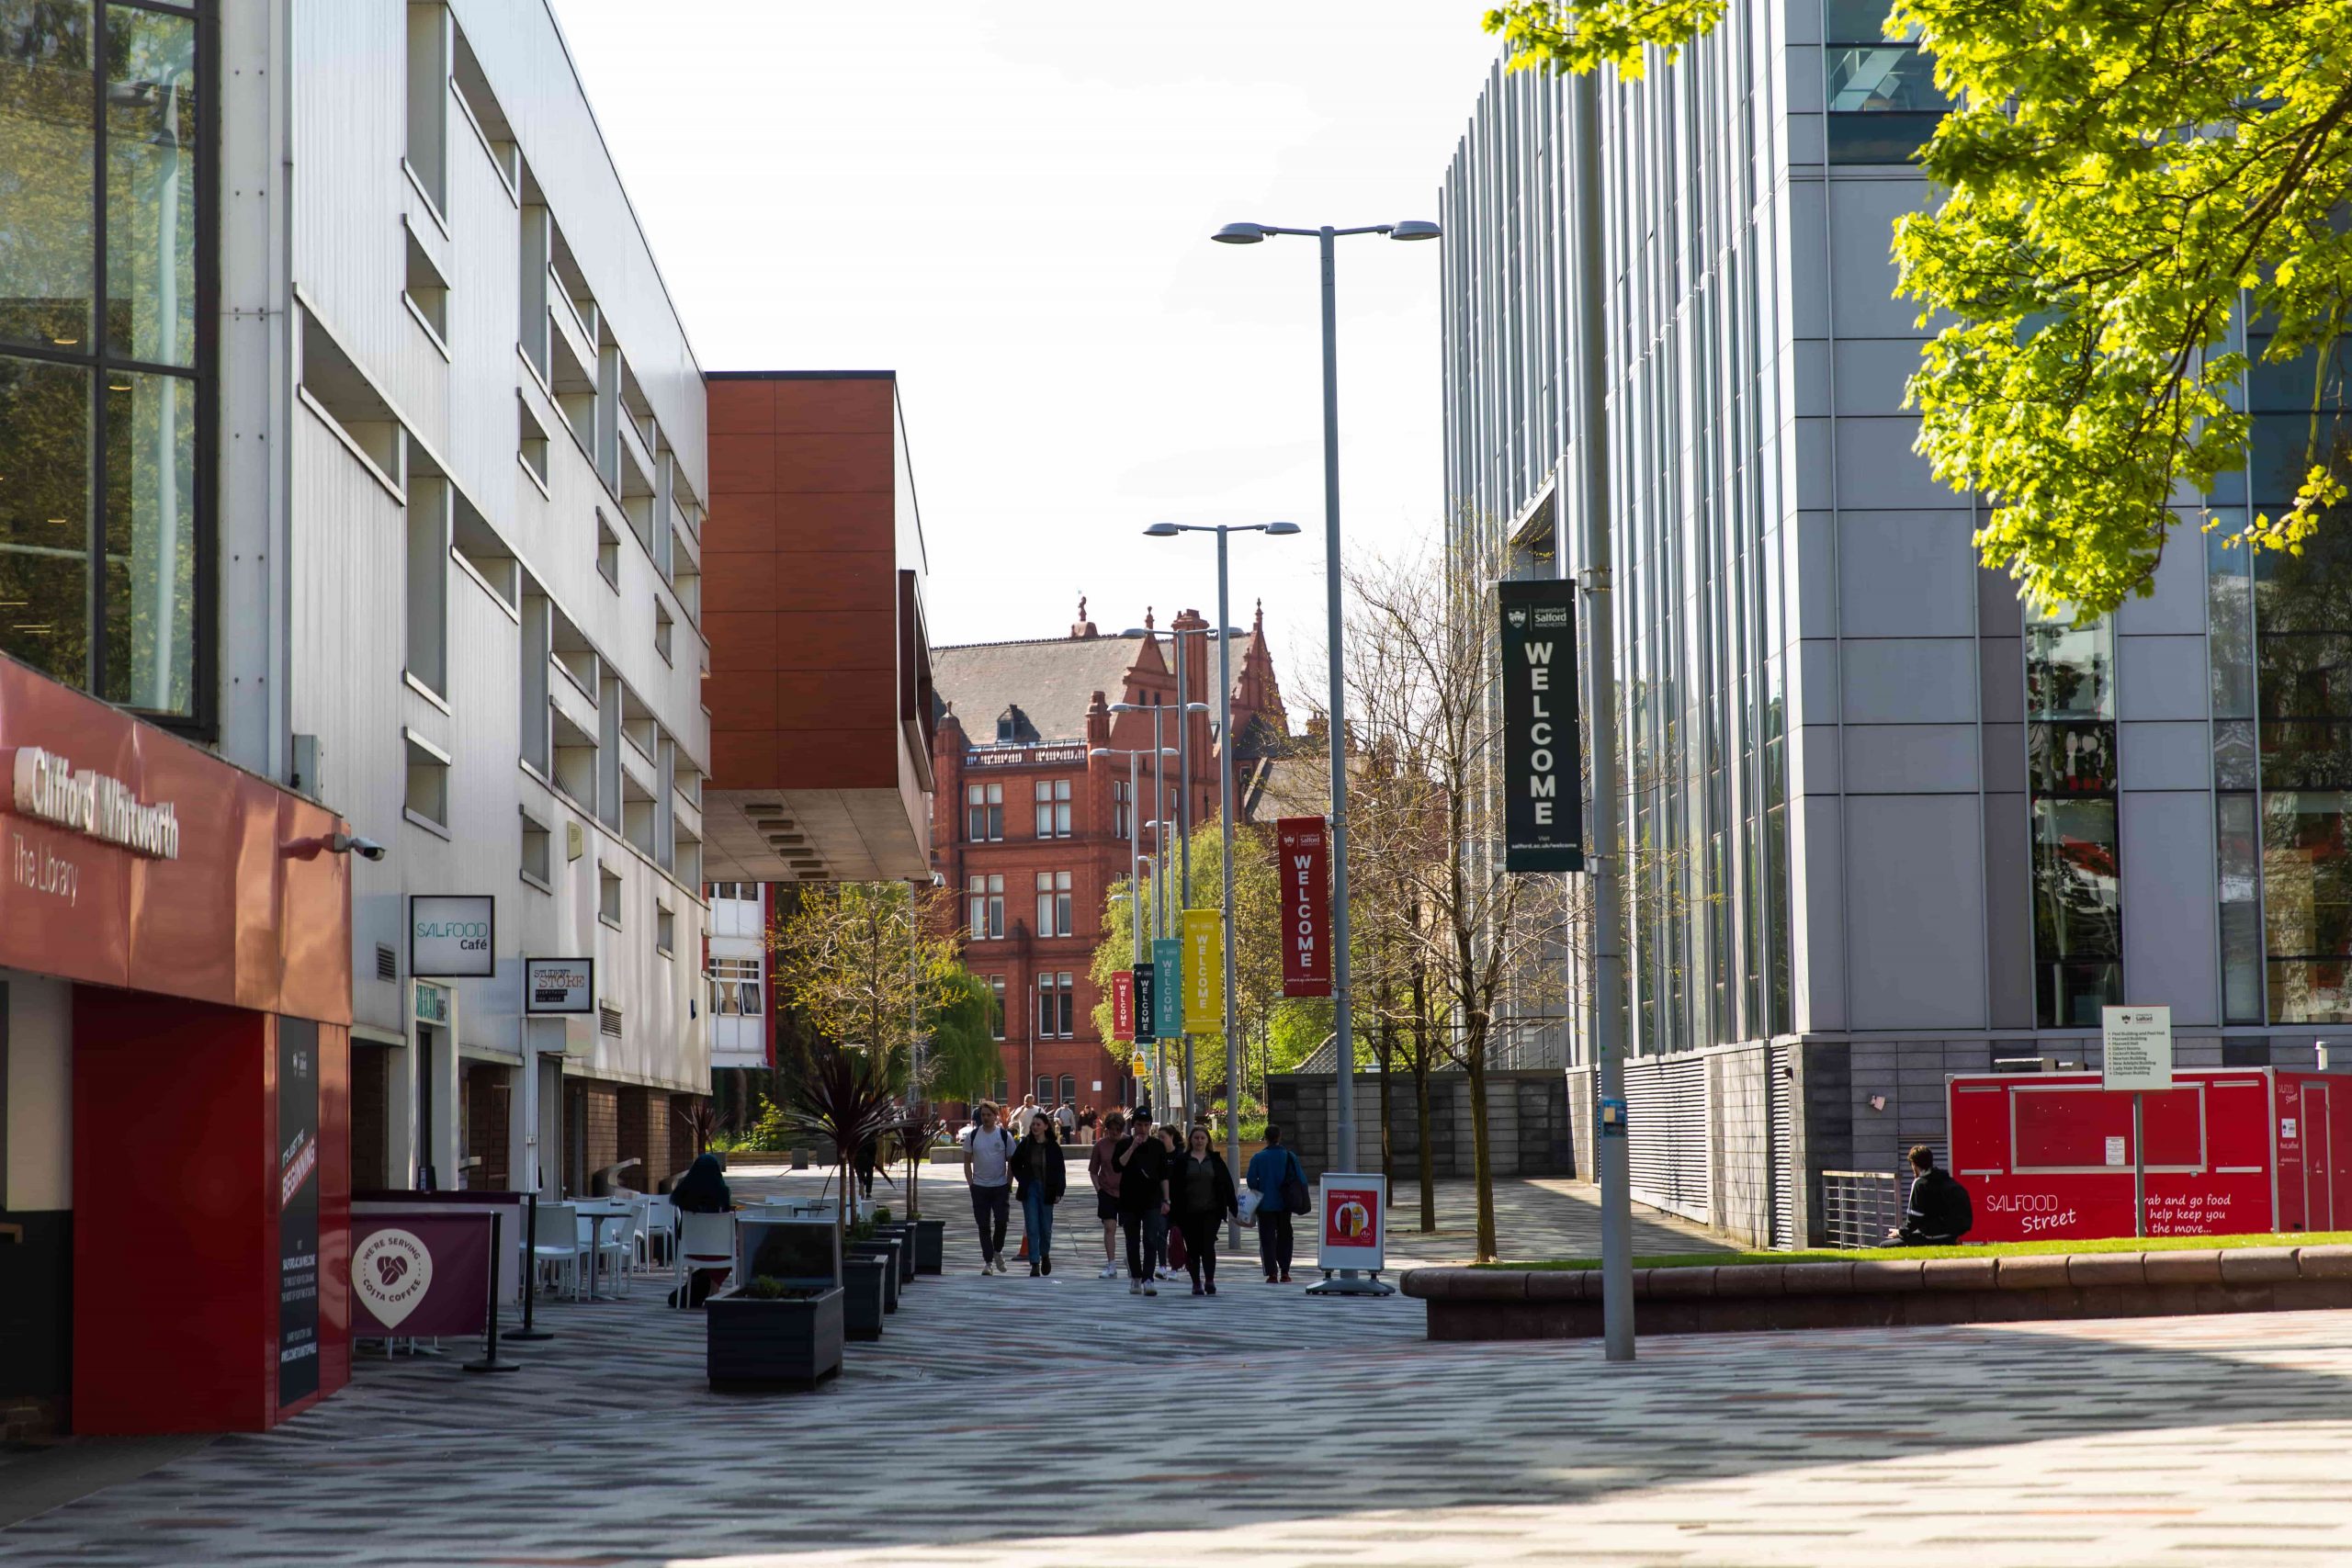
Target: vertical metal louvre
(1780,1099)
(1666,1119)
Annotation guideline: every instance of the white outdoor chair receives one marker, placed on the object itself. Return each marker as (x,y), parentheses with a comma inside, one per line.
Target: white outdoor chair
(554,1244)
(657,1229)
(705,1241)
(610,1245)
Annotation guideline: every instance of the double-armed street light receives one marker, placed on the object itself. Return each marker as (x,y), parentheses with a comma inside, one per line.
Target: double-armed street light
(1346,1281)
(1225,633)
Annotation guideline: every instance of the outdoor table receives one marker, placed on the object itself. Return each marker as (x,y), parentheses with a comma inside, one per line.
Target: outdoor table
(597,1214)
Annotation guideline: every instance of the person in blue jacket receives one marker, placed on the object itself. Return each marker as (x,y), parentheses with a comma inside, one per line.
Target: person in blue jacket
(1272,1169)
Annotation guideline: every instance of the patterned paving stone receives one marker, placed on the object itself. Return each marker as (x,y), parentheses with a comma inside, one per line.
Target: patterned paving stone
(1284,1431)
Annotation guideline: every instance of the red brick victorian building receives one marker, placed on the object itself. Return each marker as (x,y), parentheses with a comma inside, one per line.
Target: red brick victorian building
(1034,832)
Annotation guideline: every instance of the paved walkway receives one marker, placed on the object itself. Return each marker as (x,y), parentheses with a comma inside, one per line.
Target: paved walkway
(1280,1430)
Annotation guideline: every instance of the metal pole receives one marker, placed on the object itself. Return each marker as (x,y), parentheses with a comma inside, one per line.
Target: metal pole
(1600,661)
(1184,847)
(1343,1039)
(1225,823)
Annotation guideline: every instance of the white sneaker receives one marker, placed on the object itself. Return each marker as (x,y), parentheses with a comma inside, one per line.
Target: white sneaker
(1110,1271)
(1148,1288)
(1135,1287)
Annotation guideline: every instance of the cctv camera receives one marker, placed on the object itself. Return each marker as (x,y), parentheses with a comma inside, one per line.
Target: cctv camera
(353,844)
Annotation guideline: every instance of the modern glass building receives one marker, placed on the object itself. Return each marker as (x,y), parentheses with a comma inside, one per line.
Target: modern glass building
(1882,822)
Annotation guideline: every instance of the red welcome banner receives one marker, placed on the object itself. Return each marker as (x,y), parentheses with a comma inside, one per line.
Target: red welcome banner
(1123,1004)
(1303,859)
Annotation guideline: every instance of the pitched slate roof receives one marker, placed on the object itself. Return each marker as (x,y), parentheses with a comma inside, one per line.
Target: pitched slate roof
(1051,680)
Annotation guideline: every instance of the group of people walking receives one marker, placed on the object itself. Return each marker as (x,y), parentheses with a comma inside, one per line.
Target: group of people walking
(1164,1192)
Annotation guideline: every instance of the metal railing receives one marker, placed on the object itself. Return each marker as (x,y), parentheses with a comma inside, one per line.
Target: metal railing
(1859,1207)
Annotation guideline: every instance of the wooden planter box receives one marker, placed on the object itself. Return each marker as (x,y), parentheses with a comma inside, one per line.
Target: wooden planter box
(794,1343)
(864,1280)
(887,1251)
(930,1245)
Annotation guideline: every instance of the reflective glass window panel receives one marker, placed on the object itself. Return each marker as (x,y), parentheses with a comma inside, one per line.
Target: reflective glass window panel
(150,541)
(2306,895)
(151,186)
(2078,911)
(48,139)
(2241,911)
(44,518)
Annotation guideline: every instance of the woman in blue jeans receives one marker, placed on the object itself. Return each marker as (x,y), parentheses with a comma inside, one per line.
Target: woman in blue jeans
(1040,1177)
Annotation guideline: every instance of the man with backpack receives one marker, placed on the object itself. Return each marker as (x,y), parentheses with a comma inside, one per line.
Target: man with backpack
(1938,1214)
(1276,1176)
(987,1171)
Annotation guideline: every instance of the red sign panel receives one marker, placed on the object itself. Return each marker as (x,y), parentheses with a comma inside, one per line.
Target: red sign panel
(1303,859)
(1123,1004)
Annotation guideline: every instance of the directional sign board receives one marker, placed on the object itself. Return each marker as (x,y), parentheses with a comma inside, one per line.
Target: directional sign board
(2139,1047)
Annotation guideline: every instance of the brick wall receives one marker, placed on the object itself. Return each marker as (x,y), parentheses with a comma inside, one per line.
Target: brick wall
(642,1133)
(601,1119)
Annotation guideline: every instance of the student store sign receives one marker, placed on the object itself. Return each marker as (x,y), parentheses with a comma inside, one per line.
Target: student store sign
(452,936)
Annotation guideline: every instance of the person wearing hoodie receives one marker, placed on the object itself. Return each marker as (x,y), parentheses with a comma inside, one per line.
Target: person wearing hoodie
(1040,1176)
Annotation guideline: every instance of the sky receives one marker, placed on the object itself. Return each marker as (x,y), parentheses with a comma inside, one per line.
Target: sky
(1008,202)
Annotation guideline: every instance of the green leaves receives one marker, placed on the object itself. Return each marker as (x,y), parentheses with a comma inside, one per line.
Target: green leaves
(2126,185)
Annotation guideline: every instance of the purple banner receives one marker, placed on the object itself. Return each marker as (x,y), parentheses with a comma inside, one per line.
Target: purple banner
(419,1275)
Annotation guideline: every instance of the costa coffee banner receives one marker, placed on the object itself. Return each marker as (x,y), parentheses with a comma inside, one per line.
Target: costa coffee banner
(1543,789)
(1122,1005)
(1303,852)
(420,1275)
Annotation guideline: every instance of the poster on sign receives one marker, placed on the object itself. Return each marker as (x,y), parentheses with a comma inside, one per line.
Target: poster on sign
(1122,1005)
(1204,971)
(1303,854)
(1355,1223)
(419,1274)
(298,1210)
(1542,747)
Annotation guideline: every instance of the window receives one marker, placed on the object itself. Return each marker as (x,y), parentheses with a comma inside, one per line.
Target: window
(1044,1089)
(661,624)
(996,1015)
(608,551)
(665,930)
(1053,808)
(735,988)
(1053,903)
(428,581)
(608,895)
(1056,1008)
(1070,1091)
(531,445)
(99,490)
(1122,811)
(983,813)
(538,865)
(427,798)
(2070,762)
(984,896)
(1884,102)
(426,294)
(429,102)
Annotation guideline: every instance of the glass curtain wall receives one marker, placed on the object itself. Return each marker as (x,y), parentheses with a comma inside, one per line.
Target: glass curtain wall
(101,362)
(1882,99)
(2070,751)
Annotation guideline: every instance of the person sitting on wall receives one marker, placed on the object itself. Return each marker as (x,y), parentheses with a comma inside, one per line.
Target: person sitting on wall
(1938,1214)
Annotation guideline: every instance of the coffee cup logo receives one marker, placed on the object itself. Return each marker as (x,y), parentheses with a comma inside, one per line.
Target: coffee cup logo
(391,1272)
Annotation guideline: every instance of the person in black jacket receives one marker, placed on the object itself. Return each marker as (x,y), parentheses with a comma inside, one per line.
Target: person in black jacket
(1201,1186)
(1040,1177)
(1938,1214)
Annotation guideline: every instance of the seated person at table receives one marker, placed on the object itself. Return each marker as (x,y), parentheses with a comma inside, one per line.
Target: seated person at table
(702,1191)
(1938,1214)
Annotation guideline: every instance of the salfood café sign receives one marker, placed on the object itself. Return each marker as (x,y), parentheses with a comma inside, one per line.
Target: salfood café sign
(48,789)
(452,935)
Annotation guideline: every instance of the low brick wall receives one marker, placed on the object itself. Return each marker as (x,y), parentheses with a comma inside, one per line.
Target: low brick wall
(1503,1304)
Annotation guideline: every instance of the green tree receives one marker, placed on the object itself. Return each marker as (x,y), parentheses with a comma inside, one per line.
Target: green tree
(863,964)
(2126,185)
(961,1061)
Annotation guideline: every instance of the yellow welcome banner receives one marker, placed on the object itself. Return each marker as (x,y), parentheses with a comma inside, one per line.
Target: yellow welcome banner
(1204,972)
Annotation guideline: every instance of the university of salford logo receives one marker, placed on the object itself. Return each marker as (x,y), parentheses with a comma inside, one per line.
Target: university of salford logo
(391,1271)
(1516,615)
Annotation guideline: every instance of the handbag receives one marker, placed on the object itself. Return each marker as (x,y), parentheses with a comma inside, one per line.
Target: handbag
(1177,1251)
(1295,1194)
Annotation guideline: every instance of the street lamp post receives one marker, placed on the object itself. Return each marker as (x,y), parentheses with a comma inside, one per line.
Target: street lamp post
(1346,1281)
(1225,633)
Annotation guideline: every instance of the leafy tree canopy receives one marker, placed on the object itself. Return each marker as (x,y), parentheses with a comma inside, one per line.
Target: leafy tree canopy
(2125,184)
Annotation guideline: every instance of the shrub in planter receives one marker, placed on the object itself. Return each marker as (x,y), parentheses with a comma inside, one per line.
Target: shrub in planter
(862,1305)
(772,1334)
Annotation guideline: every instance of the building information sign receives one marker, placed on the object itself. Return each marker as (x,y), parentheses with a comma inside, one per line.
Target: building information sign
(1542,799)
(2139,1047)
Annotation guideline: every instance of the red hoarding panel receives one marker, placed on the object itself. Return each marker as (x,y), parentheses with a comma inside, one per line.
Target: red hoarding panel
(1303,859)
(1123,1004)
(2049,1157)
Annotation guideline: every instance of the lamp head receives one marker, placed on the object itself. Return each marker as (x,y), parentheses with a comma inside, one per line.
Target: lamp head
(1414,229)
(1280,530)
(1127,707)
(1138,631)
(1161,531)
(1239,234)
(1196,707)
